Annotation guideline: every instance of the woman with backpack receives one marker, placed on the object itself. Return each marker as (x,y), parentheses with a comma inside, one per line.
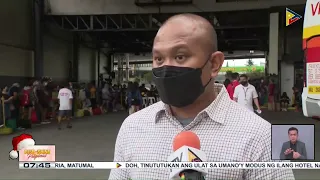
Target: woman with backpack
(134,98)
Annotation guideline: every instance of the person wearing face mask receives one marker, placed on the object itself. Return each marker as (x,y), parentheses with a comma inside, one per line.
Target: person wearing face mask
(246,93)
(185,63)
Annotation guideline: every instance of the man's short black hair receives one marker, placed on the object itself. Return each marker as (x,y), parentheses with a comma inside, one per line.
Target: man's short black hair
(293,129)
(244,76)
(234,76)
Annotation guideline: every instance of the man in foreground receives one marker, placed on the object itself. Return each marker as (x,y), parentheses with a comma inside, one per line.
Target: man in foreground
(65,106)
(293,149)
(185,63)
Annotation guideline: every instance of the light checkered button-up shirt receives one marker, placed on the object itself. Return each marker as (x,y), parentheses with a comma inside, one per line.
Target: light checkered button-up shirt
(227,132)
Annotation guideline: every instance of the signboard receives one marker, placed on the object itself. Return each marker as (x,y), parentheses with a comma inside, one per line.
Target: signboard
(243,69)
(313,78)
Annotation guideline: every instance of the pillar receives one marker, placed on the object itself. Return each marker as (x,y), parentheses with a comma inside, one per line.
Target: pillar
(287,77)
(287,60)
(109,62)
(120,68)
(273,56)
(75,57)
(38,8)
(127,67)
(98,79)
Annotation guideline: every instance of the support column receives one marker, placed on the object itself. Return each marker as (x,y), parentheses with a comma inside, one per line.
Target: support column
(75,57)
(112,70)
(109,62)
(273,56)
(98,67)
(127,67)
(38,8)
(112,62)
(287,61)
(266,69)
(120,68)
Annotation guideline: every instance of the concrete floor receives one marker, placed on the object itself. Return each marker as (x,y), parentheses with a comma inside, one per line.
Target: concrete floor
(96,135)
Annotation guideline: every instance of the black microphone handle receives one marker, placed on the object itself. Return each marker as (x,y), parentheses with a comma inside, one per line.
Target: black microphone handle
(192,175)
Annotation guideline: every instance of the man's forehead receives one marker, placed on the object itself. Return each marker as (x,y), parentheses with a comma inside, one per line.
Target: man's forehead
(175,29)
(177,35)
(188,29)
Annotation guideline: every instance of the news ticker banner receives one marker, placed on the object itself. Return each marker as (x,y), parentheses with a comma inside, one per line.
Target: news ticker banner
(43,157)
(168,165)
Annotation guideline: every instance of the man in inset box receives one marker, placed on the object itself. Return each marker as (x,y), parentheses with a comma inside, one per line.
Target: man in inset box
(293,149)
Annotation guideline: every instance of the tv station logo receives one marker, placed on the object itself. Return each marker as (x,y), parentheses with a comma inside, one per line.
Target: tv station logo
(291,17)
(118,165)
(191,157)
(25,148)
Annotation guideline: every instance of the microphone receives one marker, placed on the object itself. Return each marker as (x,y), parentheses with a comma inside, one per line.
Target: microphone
(186,147)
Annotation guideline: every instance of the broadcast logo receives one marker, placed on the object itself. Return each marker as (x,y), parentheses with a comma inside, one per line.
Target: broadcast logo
(193,157)
(25,148)
(291,16)
(118,165)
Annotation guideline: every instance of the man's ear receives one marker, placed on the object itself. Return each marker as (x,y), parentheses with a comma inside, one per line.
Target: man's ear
(216,60)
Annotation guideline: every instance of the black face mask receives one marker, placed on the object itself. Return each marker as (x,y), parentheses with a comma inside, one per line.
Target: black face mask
(244,83)
(179,86)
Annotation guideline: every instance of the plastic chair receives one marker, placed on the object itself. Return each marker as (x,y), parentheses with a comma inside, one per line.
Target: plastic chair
(144,102)
(151,100)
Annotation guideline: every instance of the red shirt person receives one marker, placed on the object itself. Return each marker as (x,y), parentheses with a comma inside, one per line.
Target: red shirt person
(233,84)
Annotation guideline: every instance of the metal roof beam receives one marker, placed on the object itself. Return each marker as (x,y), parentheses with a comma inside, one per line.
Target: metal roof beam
(118,23)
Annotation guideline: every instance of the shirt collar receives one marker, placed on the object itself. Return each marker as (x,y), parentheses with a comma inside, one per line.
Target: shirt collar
(216,111)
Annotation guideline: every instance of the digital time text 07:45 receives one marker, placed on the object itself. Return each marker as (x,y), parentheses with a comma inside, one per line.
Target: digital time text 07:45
(36,165)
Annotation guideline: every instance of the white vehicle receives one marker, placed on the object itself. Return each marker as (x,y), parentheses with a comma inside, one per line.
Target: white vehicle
(311,47)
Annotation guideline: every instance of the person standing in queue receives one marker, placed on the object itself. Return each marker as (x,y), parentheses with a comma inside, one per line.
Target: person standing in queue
(35,100)
(73,100)
(7,102)
(134,98)
(246,93)
(185,63)
(65,105)
(15,102)
(93,95)
(234,83)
